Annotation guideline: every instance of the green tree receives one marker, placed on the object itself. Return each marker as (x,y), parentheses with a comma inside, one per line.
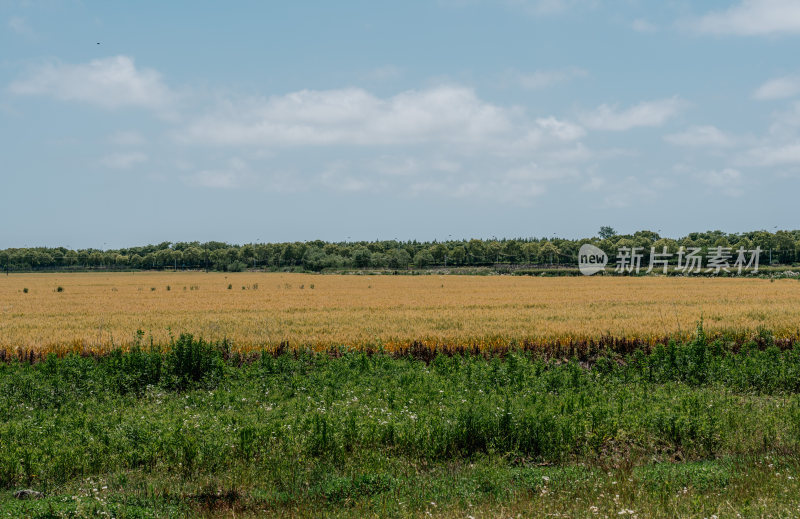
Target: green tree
(493,250)
(423,258)
(784,245)
(549,252)
(96,259)
(361,257)
(530,251)
(247,254)
(606,232)
(512,251)
(70,258)
(288,255)
(399,259)
(459,255)
(476,251)
(378,260)
(439,251)
(176,258)
(671,245)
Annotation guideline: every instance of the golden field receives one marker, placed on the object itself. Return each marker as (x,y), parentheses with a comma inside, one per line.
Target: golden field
(97,311)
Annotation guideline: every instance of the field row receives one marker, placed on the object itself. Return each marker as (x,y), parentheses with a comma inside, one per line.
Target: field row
(96,312)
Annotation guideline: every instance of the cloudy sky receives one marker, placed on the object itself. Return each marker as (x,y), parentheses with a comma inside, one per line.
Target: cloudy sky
(141,122)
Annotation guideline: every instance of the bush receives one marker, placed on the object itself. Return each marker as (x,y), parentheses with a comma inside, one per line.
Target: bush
(423,258)
(236,266)
(133,371)
(192,363)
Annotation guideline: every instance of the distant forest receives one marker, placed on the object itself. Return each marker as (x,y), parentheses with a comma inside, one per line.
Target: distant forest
(778,248)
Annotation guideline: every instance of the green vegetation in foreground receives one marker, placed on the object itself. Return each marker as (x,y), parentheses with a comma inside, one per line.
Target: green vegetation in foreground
(689,430)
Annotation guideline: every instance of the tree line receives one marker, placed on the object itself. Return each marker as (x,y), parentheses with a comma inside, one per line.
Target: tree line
(780,247)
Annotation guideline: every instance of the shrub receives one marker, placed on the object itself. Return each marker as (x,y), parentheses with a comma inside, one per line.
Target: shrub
(133,371)
(236,266)
(191,363)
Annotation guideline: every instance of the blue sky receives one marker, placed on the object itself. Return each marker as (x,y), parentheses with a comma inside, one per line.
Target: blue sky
(260,121)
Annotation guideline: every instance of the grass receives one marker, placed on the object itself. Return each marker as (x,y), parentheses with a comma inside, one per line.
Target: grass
(698,428)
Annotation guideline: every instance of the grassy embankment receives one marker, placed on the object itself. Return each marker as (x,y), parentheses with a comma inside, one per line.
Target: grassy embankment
(690,429)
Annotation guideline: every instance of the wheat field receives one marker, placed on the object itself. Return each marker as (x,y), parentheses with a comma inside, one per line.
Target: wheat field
(99,311)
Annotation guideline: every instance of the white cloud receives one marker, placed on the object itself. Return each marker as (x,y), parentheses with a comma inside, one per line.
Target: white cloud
(753,17)
(550,7)
(727,181)
(629,191)
(780,155)
(778,88)
(649,113)
(396,166)
(780,147)
(251,174)
(575,153)
(785,122)
(442,140)
(534,173)
(544,135)
(517,186)
(342,176)
(236,173)
(20,26)
(531,7)
(546,78)
(700,137)
(594,183)
(544,6)
(561,129)
(123,160)
(127,139)
(384,73)
(445,136)
(216,179)
(641,25)
(400,166)
(109,83)
(444,119)
(444,114)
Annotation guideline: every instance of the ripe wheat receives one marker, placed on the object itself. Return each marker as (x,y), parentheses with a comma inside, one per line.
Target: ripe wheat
(96,312)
